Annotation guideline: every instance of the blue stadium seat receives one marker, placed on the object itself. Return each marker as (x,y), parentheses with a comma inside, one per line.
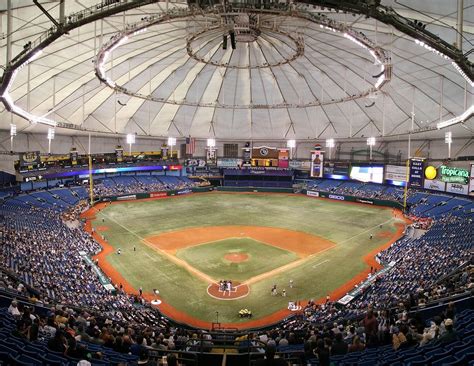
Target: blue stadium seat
(23,360)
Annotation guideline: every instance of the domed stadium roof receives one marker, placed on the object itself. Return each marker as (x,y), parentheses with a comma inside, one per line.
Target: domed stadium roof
(298,71)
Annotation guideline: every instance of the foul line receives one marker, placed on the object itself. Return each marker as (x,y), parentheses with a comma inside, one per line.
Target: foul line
(174,259)
(251,280)
(318,264)
(303,260)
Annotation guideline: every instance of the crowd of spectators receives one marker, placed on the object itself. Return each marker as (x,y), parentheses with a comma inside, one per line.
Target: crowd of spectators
(109,187)
(37,245)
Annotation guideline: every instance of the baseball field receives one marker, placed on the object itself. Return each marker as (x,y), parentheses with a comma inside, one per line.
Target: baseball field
(184,246)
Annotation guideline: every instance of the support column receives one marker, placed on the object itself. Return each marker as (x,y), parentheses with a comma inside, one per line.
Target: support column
(62,12)
(459,24)
(9,31)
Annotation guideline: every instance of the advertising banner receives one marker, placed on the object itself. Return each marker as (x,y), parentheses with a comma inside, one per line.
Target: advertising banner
(471,185)
(119,155)
(31,158)
(158,194)
(396,173)
(195,162)
(435,185)
(128,197)
(451,174)
(73,155)
(247,157)
(317,161)
(229,162)
(265,152)
(312,193)
(283,158)
(301,165)
(416,173)
(336,170)
(367,173)
(211,155)
(457,188)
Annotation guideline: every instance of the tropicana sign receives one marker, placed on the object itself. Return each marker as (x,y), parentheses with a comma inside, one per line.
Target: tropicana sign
(454,175)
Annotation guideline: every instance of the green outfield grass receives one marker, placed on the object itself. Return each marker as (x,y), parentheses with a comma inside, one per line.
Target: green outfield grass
(347,225)
(209,258)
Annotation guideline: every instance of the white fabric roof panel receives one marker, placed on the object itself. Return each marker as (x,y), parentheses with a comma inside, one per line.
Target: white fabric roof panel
(204,100)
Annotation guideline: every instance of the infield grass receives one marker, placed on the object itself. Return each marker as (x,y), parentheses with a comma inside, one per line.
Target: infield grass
(347,225)
(209,258)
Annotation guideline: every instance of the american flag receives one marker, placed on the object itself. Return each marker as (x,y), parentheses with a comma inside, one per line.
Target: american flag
(190,145)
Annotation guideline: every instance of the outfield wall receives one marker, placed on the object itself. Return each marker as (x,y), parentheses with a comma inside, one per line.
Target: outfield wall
(343,197)
(310,193)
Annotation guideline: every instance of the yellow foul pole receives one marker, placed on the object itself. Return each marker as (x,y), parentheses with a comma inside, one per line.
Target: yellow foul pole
(406,185)
(91,181)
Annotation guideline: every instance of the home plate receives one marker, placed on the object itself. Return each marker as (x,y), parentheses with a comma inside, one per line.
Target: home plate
(156,302)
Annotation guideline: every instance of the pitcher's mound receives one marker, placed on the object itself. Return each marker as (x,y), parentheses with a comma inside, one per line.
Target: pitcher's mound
(236,257)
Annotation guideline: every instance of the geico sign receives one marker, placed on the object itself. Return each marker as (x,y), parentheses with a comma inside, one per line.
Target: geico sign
(335,197)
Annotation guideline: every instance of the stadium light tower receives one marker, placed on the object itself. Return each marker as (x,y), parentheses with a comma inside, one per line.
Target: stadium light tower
(291,144)
(12,135)
(448,138)
(211,143)
(50,137)
(330,144)
(130,141)
(371,143)
(171,143)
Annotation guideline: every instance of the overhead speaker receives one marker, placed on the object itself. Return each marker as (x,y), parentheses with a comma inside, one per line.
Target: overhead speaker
(232,39)
(224,41)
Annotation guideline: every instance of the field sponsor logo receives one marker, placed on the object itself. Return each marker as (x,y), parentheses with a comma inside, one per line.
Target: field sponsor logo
(435,185)
(416,173)
(129,197)
(336,197)
(184,191)
(345,300)
(452,174)
(457,188)
(158,194)
(312,193)
(364,201)
(395,172)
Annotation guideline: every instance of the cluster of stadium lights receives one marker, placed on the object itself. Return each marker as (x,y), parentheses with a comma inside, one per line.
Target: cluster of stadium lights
(446,57)
(463,74)
(11,104)
(43,120)
(381,78)
(429,48)
(458,119)
(348,36)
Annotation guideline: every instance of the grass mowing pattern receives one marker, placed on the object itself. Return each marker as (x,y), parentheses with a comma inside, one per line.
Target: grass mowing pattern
(348,225)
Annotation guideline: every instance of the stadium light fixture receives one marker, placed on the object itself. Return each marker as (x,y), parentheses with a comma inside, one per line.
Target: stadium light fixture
(458,119)
(211,143)
(171,141)
(371,143)
(50,138)
(330,144)
(448,138)
(12,135)
(130,141)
